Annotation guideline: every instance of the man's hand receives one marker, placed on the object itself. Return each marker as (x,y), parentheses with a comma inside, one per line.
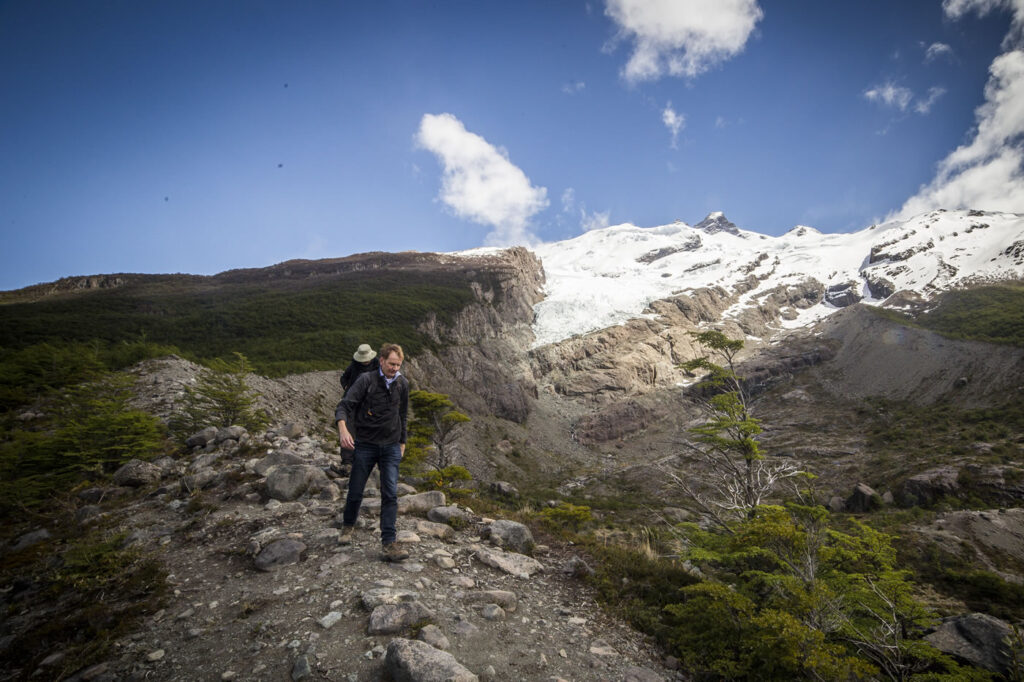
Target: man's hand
(346,438)
(402,449)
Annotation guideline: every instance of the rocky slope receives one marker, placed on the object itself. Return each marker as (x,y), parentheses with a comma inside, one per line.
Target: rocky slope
(246,529)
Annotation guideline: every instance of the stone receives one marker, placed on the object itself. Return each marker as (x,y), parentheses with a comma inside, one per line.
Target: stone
(277,458)
(635,673)
(136,473)
(863,499)
(599,647)
(976,638)
(436,530)
(31,538)
(492,612)
(518,565)
(278,553)
(510,534)
(379,596)
(301,669)
(504,488)
(410,660)
(230,433)
(328,621)
(201,438)
(929,486)
(389,619)
(432,635)
(200,480)
(420,503)
(289,482)
(449,514)
(291,431)
(503,598)
(836,504)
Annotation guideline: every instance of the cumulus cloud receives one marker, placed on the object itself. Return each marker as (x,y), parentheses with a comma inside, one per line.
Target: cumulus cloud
(936,50)
(681,37)
(574,88)
(479,182)
(673,121)
(987,172)
(890,95)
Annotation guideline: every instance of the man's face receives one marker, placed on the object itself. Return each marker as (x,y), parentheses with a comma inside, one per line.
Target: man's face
(390,365)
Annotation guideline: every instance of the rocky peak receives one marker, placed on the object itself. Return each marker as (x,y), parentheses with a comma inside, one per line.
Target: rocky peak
(716,222)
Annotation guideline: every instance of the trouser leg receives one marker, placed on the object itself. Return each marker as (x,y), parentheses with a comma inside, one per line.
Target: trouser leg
(363,459)
(390,457)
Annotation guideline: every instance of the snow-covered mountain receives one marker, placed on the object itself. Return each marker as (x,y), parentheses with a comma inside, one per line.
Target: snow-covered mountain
(608,276)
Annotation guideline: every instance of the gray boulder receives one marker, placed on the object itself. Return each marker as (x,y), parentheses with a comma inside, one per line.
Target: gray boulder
(863,499)
(291,431)
(510,534)
(977,638)
(202,438)
(277,458)
(200,479)
(408,660)
(451,515)
(929,486)
(390,619)
(288,483)
(136,473)
(278,553)
(504,488)
(230,433)
(31,538)
(420,502)
(518,565)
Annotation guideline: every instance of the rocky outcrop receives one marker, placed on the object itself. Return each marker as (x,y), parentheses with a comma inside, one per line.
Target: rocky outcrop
(479,357)
(977,638)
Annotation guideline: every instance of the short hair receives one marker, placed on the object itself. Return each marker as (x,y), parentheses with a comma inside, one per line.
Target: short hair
(389,348)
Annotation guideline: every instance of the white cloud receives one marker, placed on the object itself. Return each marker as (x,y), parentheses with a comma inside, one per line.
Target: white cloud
(681,37)
(898,97)
(480,183)
(891,95)
(988,172)
(673,121)
(925,105)
(574,88)
(955,9)
(720,122)
(568,199)
(936,50)
(595,220)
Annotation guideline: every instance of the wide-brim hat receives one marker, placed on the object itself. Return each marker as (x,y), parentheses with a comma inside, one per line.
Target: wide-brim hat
(364,353)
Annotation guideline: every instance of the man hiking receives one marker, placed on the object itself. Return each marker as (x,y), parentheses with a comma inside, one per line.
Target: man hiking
(372,420)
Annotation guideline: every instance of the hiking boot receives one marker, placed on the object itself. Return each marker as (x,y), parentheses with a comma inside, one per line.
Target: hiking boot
(394,552)
(346,535)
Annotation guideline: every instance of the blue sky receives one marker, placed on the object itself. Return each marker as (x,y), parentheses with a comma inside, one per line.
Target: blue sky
(197,137)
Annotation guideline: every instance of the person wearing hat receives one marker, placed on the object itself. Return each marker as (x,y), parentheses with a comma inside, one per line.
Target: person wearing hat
(363,360)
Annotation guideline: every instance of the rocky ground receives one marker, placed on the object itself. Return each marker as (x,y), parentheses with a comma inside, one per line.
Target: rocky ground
(246,530)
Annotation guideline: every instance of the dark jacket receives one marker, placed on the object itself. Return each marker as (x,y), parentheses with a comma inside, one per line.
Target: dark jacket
(354,369)
(374,413)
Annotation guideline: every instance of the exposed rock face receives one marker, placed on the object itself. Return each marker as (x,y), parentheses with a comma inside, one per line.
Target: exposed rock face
(929,486)
(842,295)
(976,638)
(480,361)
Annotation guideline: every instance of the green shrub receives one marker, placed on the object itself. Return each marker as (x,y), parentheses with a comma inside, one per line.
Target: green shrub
(90,431)
(221,397)
(566,516)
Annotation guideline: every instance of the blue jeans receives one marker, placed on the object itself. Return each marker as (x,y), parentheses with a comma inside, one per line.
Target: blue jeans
(386,458)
